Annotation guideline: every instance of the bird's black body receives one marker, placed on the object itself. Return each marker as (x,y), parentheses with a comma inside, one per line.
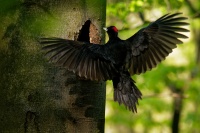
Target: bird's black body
(118,59)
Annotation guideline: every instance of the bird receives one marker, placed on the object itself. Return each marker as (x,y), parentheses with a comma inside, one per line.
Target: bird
(118,59)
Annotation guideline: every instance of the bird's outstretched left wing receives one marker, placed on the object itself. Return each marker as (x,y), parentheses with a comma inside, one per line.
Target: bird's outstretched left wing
(85,59)
(150,45)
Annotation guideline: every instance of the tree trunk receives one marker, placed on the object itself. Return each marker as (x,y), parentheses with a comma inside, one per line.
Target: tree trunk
(178,101)
(37,96)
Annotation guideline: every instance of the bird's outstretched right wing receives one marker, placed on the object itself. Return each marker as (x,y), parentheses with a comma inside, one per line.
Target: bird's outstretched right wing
(150,45)
(85,59)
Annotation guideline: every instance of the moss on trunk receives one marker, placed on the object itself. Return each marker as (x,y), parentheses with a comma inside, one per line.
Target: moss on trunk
(37,96)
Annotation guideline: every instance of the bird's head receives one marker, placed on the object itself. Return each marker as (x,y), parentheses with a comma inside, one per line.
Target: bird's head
(112,31)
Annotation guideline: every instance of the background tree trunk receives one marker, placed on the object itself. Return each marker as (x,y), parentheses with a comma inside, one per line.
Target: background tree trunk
(35,95)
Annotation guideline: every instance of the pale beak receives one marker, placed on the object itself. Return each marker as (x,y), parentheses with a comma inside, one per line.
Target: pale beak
(105,29)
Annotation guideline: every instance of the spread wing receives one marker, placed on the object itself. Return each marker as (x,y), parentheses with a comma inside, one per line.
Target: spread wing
(150,45)
(85,59)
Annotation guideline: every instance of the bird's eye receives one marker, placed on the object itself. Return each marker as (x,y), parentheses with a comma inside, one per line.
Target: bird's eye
(115,29)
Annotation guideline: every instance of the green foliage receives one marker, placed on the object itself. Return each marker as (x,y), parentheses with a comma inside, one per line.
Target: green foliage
(124,11)
(178,74)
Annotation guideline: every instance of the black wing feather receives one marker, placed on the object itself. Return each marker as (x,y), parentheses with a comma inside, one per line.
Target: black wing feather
(152,44)
(85,59)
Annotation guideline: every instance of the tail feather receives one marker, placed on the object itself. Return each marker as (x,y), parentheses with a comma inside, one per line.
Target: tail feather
(126,92)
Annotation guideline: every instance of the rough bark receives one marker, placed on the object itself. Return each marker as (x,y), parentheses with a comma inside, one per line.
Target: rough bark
(40,97)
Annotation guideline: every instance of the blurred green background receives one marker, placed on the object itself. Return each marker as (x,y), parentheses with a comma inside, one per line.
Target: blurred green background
(171,91)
